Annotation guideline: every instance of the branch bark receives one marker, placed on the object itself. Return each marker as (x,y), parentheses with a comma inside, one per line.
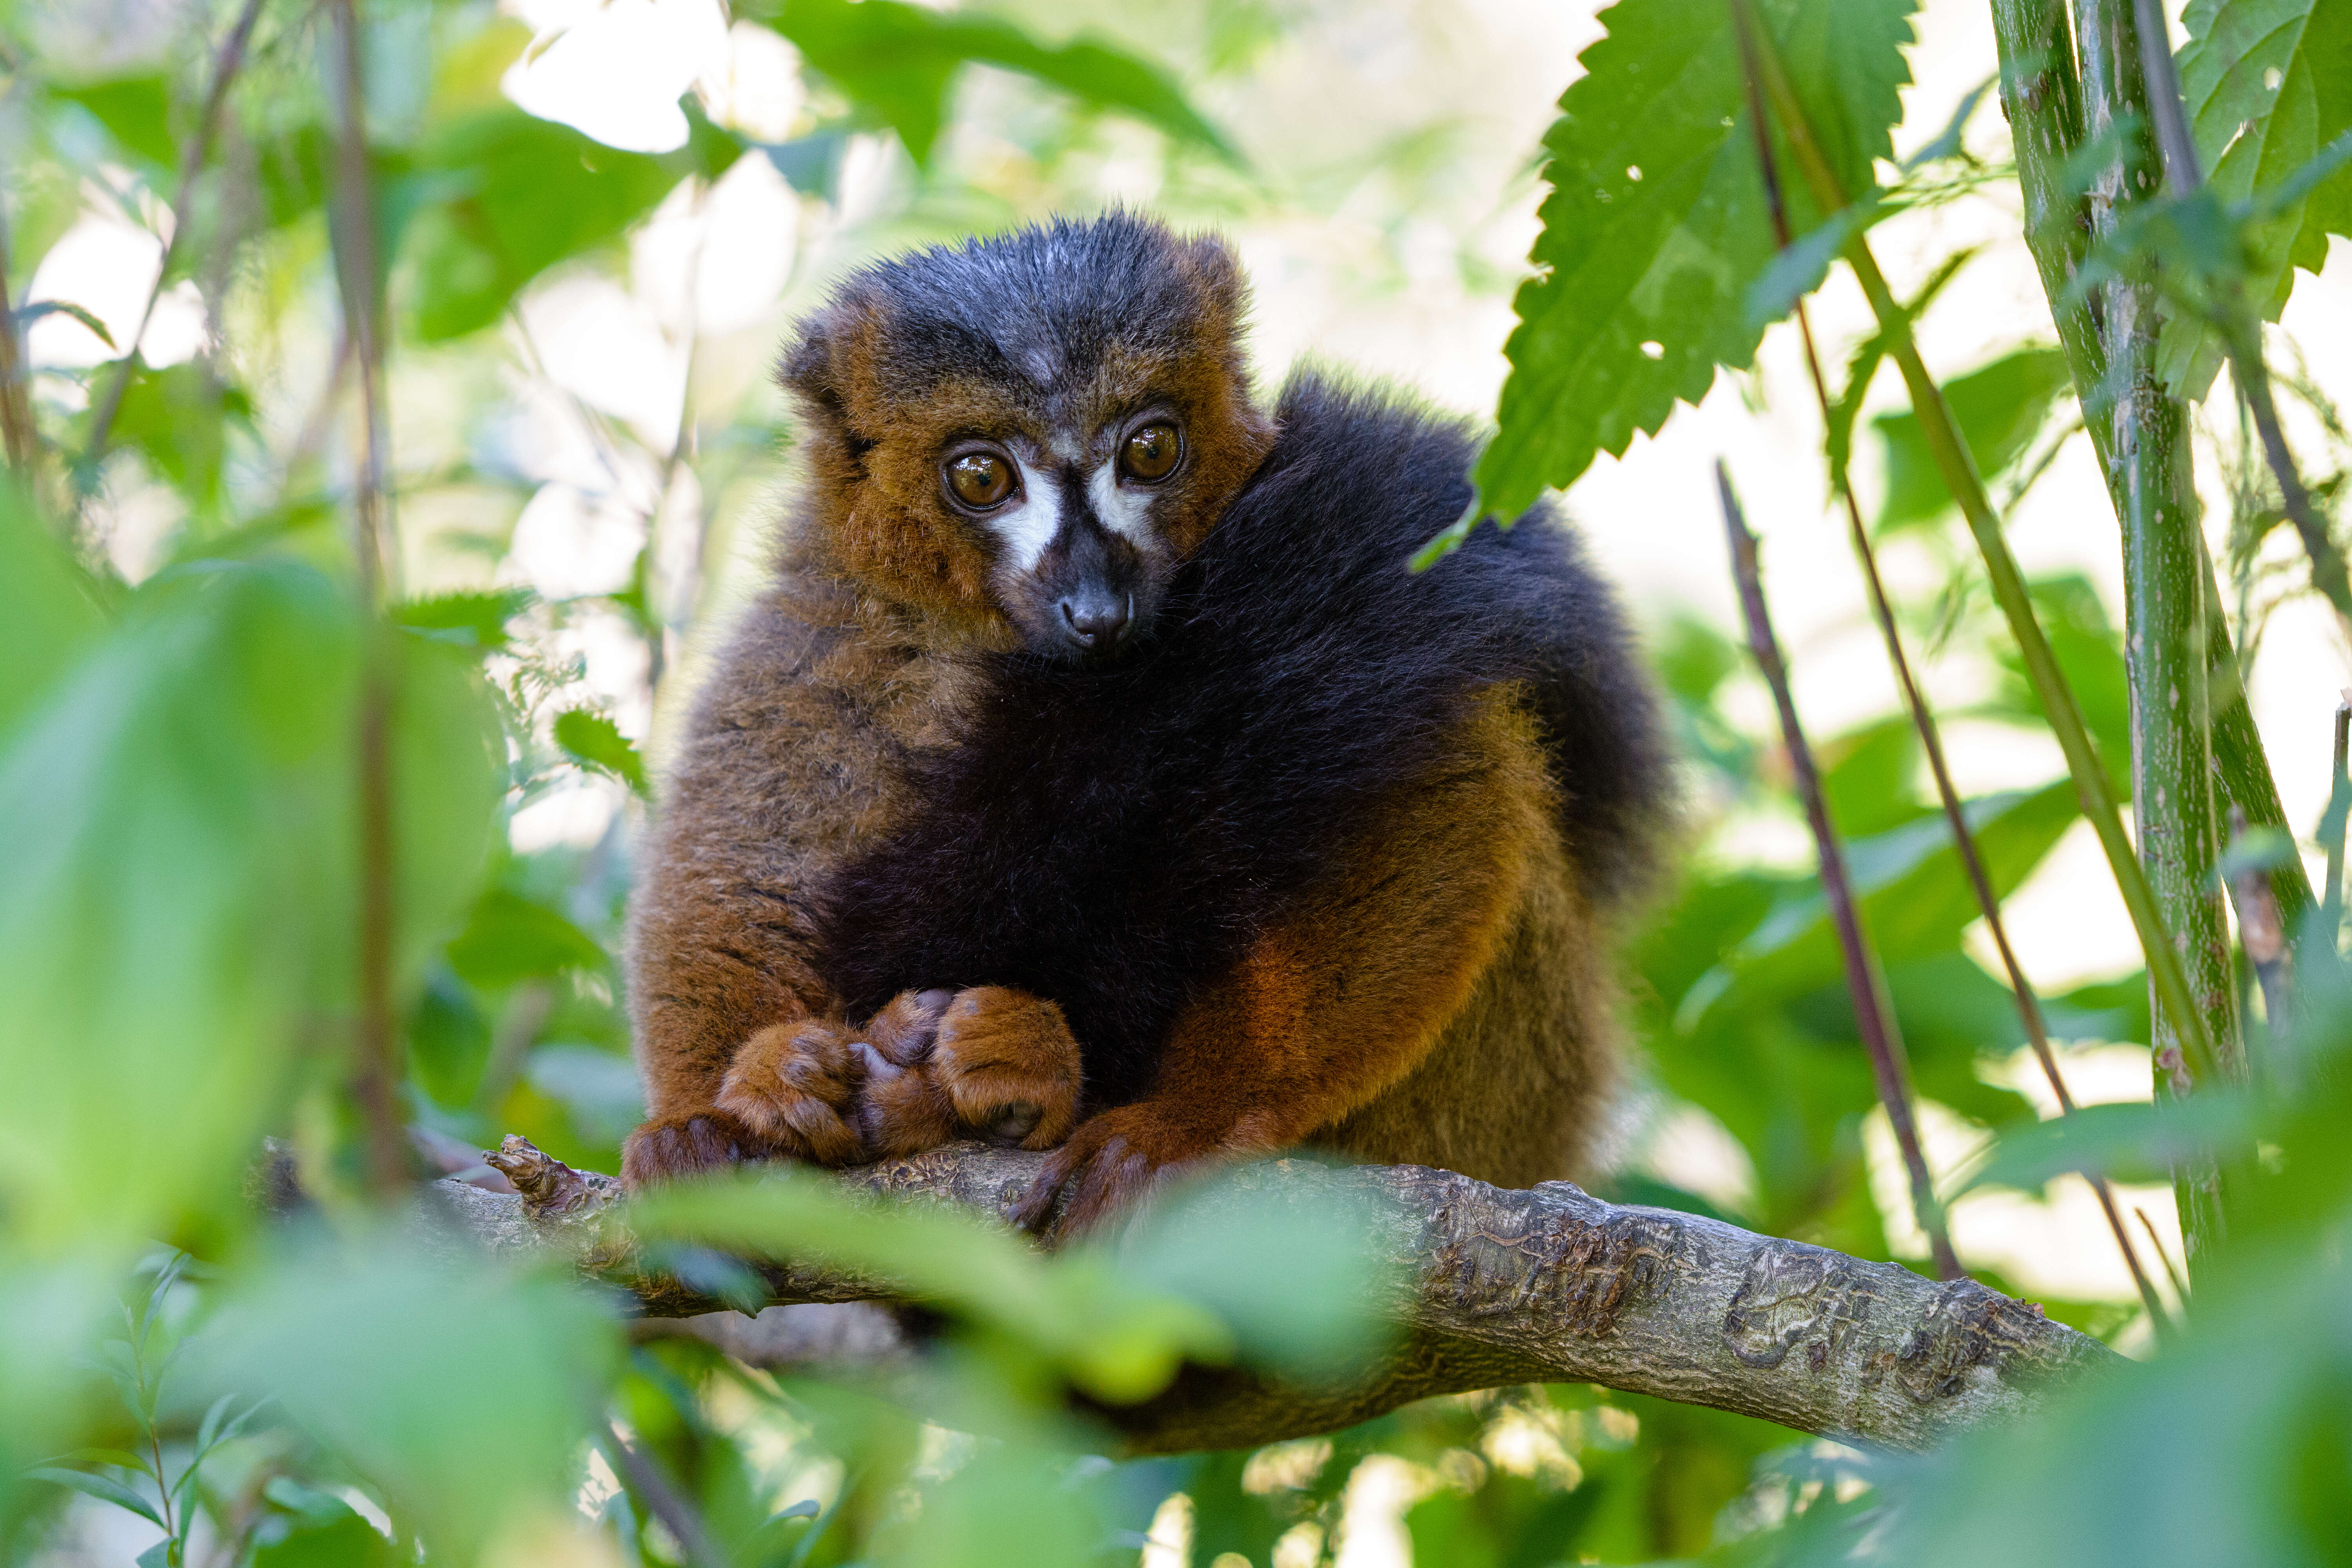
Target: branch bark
(1495,1288)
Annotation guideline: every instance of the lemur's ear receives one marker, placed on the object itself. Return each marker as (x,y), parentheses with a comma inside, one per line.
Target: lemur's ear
(1217,274)
(826,364)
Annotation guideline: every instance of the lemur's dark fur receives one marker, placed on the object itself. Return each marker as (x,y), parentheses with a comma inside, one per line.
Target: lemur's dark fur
(1327,852)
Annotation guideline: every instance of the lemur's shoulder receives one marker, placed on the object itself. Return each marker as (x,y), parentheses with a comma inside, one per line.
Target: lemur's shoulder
(1310,568)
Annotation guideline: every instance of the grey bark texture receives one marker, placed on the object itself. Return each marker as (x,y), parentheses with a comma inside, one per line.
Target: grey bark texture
(1493,1288)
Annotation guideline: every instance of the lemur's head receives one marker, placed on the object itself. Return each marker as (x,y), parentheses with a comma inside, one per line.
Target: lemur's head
(1024,435)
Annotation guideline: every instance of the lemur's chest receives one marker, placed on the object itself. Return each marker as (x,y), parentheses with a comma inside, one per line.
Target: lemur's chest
(1114,840)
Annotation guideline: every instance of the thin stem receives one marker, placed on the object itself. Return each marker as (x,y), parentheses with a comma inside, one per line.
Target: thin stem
(2331,824)
(1874,1015)
(677,1515)
(23,436)
(376,1068)
(1957,467)
(2179,1286)
(225,65)
(1923,720)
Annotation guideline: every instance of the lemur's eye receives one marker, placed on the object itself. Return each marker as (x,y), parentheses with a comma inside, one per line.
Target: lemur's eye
(1151,453)
(980,479)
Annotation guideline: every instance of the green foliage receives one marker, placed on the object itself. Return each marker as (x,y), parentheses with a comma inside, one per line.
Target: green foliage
(1656,227)
(595,741)
(498,197)
(2264,85)
(898,60)
(2000,408)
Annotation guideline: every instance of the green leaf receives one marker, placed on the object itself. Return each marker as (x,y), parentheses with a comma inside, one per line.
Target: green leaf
(103,1488)
(469,620)
(49,606)
(500,196)
(2267,84)
(2000,408)
(508,938)
(898,60)
(158,1555)
(176,815)
(2128,1142)
(458,1390)
(34,312)
(595,741)
(1915,897)
(1656,228)
(2090,655)
(183,419)
(349,1542)
(136,111)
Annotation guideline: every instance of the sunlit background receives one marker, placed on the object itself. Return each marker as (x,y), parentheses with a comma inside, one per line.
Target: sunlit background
(1383,216)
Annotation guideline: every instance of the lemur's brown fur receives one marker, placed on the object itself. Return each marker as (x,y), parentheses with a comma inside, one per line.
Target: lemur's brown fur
(1437,991)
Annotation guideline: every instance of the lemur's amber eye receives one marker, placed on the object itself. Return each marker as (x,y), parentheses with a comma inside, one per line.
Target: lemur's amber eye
(980,479)
(1152,453)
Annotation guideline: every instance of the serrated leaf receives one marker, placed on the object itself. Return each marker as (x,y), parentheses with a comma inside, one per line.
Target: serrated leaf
(103,1487)
(2267,84)
(897,61)
(596,742)
(2000,408)
(1656,227)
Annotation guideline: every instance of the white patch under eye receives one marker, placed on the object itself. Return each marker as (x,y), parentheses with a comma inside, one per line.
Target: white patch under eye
(1124,512)
(1028,525)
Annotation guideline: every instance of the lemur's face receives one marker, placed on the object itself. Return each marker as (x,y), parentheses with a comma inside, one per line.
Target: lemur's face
(1033,450)
(1084,517)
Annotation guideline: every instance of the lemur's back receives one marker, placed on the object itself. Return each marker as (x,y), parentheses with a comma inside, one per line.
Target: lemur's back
(1098,778)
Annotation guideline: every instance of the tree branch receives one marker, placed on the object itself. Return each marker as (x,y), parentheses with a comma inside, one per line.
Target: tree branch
(1493,1288)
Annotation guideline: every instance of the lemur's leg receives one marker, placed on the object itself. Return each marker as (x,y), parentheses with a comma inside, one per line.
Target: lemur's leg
(1344,997)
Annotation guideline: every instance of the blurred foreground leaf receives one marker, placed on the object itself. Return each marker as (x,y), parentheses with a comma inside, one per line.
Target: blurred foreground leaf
(176,812)
(460,1389)
(897,61)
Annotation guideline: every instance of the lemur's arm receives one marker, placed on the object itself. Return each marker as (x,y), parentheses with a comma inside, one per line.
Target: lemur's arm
(1343,999)
(780,773)
(744,1049)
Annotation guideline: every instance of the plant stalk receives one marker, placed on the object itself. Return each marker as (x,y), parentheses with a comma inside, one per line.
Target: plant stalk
(376,1069)
(2041,98)
(23,436)
(1873,1013)
(2141,435)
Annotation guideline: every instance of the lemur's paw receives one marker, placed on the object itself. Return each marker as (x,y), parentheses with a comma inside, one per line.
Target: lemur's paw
(993,1063)
(1009,1067)
(1112,1163)
(795,1087)
(671,1147)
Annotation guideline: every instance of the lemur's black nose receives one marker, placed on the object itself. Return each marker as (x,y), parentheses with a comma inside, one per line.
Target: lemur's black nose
(1097,618)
